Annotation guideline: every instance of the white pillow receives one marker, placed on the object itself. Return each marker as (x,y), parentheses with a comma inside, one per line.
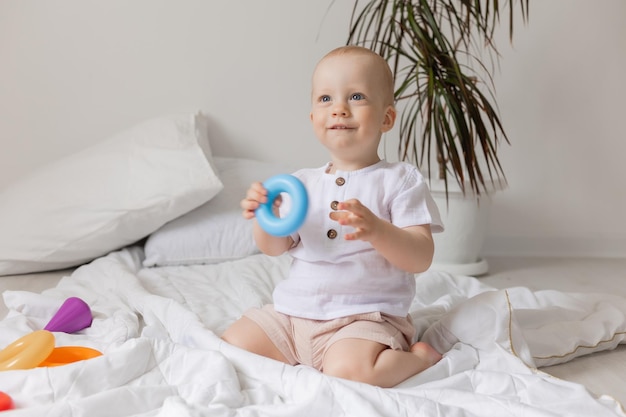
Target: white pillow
(107,196)
(216,231)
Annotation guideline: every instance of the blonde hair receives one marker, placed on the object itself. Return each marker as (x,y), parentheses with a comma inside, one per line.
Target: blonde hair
(380,64)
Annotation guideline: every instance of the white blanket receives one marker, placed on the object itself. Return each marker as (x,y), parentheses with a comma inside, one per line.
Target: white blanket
(157,329)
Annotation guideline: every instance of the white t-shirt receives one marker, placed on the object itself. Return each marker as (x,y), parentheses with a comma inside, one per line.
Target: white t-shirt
(331,277)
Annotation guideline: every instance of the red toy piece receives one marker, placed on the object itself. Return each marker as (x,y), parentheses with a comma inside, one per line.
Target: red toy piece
(6,402)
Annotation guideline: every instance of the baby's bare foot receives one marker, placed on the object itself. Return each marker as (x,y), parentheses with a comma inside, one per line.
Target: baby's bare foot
(426,352)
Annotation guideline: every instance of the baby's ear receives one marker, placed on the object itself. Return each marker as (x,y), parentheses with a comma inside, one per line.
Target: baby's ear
(390,118)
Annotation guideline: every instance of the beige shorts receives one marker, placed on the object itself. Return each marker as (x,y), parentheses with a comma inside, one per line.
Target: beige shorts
(305,341)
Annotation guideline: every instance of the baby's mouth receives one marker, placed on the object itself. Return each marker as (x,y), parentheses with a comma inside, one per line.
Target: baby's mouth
(340,127)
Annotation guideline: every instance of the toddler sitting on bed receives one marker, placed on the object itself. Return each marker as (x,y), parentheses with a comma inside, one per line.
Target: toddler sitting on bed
(343,309)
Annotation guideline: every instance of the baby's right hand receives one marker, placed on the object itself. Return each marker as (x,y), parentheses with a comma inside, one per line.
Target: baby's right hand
(255,196)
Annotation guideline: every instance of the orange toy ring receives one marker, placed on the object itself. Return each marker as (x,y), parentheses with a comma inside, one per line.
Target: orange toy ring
(69,354)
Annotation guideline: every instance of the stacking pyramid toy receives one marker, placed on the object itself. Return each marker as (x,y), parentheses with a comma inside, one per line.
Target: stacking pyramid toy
(74,315)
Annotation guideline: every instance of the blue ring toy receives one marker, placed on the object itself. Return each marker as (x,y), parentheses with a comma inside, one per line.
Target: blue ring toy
(284,226)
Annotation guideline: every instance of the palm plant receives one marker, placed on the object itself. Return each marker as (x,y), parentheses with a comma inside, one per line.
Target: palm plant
(436,50)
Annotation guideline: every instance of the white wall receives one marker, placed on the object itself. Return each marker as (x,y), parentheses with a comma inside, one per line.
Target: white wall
(562,92)
(73,72)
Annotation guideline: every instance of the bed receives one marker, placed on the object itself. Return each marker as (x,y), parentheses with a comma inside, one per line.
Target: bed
(164,283)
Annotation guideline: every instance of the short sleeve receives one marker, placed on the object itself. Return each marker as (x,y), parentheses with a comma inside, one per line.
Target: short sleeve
(414,205)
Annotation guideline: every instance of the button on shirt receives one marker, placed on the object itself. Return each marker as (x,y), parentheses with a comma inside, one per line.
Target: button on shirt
(331,277)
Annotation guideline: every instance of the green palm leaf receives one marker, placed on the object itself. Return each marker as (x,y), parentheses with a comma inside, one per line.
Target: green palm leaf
(445,89)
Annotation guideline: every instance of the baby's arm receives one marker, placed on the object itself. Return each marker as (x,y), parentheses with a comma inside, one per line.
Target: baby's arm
(410,248)
(268,244)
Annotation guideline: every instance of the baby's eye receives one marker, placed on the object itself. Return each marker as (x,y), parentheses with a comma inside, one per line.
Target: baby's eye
(324,99)
(357,96)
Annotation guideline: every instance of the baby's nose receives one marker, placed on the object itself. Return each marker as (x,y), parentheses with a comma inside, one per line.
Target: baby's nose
(340,110)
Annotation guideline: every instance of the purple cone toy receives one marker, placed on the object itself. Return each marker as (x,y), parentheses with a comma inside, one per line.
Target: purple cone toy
(72,316)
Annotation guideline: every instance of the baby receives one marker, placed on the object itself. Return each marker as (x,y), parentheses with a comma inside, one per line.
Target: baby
(343,308)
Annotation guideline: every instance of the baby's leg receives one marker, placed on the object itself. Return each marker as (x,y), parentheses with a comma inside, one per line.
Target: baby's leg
(246,334)
(374,363)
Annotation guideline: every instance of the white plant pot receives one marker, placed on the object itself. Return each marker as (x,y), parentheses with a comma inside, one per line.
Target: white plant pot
(465,218)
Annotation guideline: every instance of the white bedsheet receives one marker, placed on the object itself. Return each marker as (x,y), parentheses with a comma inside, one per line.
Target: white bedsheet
(157,329)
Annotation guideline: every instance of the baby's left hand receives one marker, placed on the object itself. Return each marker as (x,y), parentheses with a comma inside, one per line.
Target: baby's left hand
(353,213)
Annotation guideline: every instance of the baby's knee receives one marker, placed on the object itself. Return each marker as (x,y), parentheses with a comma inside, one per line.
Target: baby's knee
(234,336)
(230,338)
